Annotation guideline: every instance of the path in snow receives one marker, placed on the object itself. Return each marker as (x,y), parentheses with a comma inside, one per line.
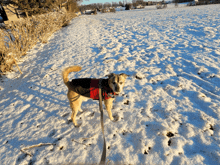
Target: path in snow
(168,114)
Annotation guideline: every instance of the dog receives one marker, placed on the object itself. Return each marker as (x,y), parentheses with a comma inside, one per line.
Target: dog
(82,89)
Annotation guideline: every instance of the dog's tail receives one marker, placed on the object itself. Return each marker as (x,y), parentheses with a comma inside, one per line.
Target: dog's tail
(66,72)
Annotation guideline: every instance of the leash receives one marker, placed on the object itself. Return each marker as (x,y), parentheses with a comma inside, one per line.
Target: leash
(103,158)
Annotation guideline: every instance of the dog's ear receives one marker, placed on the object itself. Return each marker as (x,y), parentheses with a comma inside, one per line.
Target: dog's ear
(124,75)
(110,75)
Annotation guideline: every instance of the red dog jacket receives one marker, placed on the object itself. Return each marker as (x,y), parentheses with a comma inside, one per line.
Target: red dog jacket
(90,88)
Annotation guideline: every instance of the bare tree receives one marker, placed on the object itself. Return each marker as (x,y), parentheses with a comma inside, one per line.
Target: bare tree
(107,5)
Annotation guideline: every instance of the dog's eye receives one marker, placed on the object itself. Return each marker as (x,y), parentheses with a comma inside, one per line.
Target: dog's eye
(114,83)
(121,83)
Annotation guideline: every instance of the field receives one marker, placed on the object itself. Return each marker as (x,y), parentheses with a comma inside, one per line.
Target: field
(169,112)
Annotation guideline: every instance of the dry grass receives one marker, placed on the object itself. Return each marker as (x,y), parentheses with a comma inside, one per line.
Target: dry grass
(19,37)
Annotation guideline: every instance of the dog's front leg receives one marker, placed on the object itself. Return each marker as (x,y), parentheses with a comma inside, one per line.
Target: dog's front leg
(108,105)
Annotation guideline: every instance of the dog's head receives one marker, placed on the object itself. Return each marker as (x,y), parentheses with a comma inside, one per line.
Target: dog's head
(116,82)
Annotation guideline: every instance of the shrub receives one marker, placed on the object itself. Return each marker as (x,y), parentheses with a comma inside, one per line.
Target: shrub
(104,10)
(20,36)
(128,6)
(33,7)
(112,10)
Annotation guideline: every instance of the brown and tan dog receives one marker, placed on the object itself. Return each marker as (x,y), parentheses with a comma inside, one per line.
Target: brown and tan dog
(80,90)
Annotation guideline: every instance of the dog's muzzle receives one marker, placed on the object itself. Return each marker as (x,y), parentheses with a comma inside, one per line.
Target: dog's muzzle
(117,89)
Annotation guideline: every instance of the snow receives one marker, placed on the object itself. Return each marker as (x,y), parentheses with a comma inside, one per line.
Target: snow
(169,112)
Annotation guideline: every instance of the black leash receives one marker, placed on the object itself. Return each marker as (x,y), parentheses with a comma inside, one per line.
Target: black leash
(103,158)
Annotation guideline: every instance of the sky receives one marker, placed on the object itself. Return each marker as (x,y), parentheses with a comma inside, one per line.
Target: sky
(86,2)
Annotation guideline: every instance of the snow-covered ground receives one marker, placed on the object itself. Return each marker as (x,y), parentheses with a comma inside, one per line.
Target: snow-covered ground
(169,112)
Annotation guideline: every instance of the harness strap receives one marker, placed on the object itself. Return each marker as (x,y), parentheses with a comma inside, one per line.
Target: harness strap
(111,95)
(103,158)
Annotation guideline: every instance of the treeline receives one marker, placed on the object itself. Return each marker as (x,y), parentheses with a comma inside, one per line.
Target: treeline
(200,2)
(33,7)
(115,4)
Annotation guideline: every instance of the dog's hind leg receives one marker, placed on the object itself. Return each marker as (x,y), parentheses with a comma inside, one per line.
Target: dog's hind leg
(74,105)
(74,113)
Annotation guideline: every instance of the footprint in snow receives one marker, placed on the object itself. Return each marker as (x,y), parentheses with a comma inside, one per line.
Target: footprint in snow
(203,97)
(116,117)
(147,151)
(51,133)
(126,102)
(66,114)
(169,134)
(21,157)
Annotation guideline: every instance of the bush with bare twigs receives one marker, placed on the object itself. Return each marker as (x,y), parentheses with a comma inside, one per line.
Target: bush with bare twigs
(20,36)
(43,19)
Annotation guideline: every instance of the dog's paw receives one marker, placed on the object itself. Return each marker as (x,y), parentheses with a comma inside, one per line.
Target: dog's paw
(69,121)
(80,110)
(77,125)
